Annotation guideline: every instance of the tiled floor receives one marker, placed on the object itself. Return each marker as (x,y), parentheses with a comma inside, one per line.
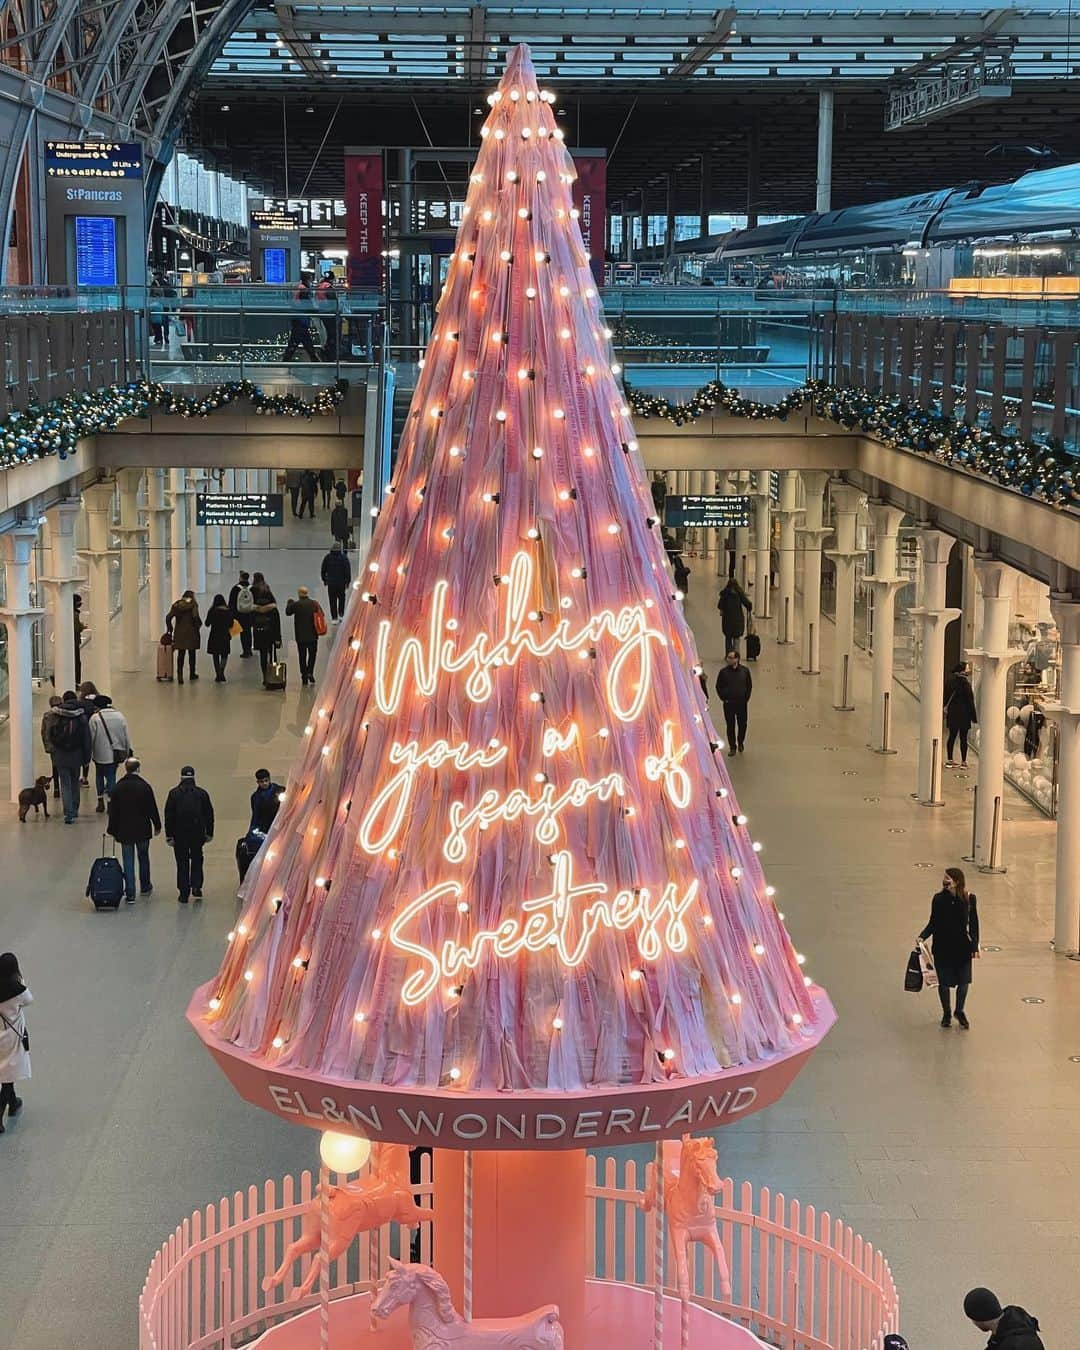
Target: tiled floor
(958,1154)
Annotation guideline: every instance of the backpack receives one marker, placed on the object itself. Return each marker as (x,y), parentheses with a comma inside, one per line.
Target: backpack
(245,601)
(66,734)
(188,822)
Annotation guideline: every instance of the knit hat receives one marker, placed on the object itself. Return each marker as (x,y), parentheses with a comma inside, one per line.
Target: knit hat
(981,1305)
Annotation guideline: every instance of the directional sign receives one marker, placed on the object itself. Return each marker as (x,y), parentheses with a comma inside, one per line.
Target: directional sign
(239,508)
(716,513)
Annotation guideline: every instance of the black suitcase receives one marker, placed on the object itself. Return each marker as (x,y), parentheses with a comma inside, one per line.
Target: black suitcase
(106,885)
(246,848)
(276,675)
(753,646)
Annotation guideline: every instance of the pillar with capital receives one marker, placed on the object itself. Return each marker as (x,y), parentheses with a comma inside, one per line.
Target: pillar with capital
(158,512)
(60,587)
(788,512)
(99,555)
(18,615)
(847,501)
(1066,716)
(762,541)
(884,584)
(131,536)
(811,533)
(992,659)
(934,616)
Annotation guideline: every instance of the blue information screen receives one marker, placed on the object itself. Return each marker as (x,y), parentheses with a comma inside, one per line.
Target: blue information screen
(274,266)
(95,250)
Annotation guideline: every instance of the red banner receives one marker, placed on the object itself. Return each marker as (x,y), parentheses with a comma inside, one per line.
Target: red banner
(590,198)
(364,217)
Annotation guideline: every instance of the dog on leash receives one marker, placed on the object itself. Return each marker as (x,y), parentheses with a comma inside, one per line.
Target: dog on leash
(36,797)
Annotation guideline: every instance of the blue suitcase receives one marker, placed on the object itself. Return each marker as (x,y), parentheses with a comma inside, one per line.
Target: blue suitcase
(106,885)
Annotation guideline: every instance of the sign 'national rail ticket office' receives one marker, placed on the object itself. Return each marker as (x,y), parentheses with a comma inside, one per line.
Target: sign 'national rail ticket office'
(239,508)
(712,512)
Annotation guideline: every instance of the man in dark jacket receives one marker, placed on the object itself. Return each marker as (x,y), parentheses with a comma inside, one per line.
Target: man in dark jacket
(189,824)
(340,525)
(265,801)
(1010,1328)
(734,686)
(733,601)
(309,485)
(336,575)
(303,610)
(69,748)
(133,818)
(293,479)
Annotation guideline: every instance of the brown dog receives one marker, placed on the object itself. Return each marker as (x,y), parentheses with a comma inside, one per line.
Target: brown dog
(36,796)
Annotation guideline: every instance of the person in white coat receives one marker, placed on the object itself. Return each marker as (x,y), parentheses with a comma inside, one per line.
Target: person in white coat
(110,745)
(14,1038)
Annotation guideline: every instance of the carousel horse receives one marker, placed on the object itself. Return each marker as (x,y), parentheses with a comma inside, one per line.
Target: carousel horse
(384,1195)
(436,1325)
(689,1209)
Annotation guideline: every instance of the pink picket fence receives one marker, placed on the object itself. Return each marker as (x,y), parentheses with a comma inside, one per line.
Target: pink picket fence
(800,1280)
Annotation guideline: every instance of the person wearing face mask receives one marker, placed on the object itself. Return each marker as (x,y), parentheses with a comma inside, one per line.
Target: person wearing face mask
(954,928)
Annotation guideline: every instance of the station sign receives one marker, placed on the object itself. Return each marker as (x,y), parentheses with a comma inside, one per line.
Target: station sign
(93,159)
(712,512)
(239,508)
(266,221)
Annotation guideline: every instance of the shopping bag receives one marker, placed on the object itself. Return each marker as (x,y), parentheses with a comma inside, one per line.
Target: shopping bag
(926,962)
(913,976)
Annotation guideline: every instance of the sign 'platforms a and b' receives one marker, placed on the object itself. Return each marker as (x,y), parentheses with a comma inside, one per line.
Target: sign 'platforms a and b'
(510,894)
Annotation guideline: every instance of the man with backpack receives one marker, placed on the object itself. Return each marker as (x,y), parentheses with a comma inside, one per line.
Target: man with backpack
(189,825)
(336,575)
(69,749)
(242,608)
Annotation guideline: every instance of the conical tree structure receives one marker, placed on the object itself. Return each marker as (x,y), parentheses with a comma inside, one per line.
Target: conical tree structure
(509,858)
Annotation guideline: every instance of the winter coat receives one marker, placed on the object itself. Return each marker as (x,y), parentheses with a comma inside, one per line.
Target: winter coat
(219,621)
(339,524)
(133,810)
(265,804)
(265,621)
(954,926)
(189,814)
(302,612)
(14,1060)
(326,479)
(959,703)
(293,478)
(734,684)
(732,604)
(183,622)
(1017,1330)
(70,758)
(108,722)
(308,485)
(336,569)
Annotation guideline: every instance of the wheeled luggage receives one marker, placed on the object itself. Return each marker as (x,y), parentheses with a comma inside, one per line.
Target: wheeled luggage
(277,674)
(165,658)
(106,885)
(753,646)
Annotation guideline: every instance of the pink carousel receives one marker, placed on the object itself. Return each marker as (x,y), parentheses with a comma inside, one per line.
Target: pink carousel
(510,910)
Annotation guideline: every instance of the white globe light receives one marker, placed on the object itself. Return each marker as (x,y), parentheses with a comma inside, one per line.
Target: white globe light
(1012,712)
(344,1153)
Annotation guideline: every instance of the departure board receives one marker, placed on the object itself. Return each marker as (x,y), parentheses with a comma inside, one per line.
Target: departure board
(95,250)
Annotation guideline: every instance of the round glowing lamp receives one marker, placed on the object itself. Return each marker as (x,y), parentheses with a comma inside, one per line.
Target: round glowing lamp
(343,1153)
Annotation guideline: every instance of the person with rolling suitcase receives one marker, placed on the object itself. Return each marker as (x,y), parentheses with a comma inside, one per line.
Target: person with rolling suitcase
(265,628)
(164,658)
(753,640)
(133,821)
(265,804)
(106,885)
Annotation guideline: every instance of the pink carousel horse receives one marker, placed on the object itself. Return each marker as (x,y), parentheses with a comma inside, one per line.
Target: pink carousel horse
(384,1195)
(688,1206)
(435,1324)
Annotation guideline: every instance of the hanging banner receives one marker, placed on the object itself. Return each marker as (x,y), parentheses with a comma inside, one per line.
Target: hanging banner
(364,217)
(590,198)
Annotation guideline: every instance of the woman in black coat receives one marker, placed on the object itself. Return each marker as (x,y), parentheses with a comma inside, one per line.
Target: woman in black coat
(733,601)
(219,620)
(954,927)
(959,712)
(265,621)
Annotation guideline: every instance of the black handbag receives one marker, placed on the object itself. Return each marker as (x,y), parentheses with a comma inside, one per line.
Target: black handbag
(913,976)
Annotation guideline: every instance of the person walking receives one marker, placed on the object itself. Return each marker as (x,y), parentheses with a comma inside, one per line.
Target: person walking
(69,747)
(960,713)
(292,483)
(954,927)
(133,821)
(265,804)
(219,621)
(266,622)
(183,622)
(300,334)
(1010,1328)
(15,998)
(88,696)
(305,613)
(682,573)
(80,629)
(734,605)
(241,606)
(110,745)
(734,685)
(336,574)
(326,486)
(309,485)
(340,526)
(189,826)
(48,720)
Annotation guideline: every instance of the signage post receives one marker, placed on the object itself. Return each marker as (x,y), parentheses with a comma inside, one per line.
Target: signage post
(258,509)
(275,246)
(94,213)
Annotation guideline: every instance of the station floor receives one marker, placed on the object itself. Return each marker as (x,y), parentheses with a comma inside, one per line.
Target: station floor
(956,1153)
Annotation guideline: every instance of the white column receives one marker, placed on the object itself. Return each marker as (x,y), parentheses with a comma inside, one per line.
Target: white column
(1066,714)
(196,483)
(884,584)
(992,659)
(762,540)
(935,616)
(229,540)
(847,501)
(213,532)
(158,510)
(61,586)
(787,511)
(742,536)
(17,549)
(131,535)
(99,555)
(823,193)
(811,533)
(178,580)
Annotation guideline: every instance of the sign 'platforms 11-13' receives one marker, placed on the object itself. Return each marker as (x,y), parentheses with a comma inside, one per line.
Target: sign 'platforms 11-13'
(239,508)
(717,513)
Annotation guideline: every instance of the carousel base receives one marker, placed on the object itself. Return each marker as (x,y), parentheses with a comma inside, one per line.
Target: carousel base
(620,1312)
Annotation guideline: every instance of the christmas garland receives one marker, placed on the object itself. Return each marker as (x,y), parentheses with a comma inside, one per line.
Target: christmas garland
(56,428)
(1043,470)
